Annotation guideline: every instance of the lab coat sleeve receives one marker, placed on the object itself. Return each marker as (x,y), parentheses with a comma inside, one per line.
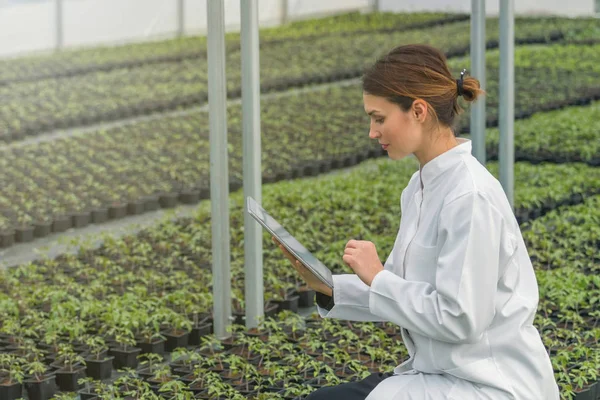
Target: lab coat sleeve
(351,300)
(460,307)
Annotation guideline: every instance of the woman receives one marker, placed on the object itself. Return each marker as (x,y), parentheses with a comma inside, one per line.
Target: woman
(459,281)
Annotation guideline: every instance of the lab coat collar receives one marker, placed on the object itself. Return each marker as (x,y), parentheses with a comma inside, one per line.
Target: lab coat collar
(436,167)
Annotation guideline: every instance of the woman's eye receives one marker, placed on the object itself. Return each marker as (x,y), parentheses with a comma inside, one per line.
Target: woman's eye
(379,120)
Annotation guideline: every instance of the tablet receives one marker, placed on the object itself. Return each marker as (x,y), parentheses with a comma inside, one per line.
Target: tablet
(289,242)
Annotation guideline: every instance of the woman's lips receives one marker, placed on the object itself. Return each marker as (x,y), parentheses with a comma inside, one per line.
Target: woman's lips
(385,146)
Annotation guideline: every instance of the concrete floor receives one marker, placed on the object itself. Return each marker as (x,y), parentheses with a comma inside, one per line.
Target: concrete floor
(55,244)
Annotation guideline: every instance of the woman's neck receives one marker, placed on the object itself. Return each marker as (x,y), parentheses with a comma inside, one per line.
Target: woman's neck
(440,142)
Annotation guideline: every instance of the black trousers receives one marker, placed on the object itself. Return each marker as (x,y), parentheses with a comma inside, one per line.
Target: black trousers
(358,390)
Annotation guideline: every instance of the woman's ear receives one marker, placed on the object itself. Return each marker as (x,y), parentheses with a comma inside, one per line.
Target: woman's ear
(419,110)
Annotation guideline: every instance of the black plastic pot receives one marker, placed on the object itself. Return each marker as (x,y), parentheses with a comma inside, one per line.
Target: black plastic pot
(67,380)
(151,203)
(24,234)
(99,369)
(42,228)
(311,169)
(168,200)
(157,346)
(239,318)
(7,238)
(61,224)
(246,393)
(283,175)
(350,160)
(191,196)
(125,358)
(337,163)
(587,394)
(188,379)
(317,382)
(290,303)
(117,211)
(324,166)
(271,309)
(42,390)
(176,340)
(362,156)
(306,297)
(136,207)
(376,152)
(81,219)
(204,192)
(234,184)
(11,392)
(146,373)
(86,395)
(197,333)
(99,215)
(154,385)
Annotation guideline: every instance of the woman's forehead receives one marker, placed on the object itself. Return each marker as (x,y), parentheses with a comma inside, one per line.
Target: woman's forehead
(375,104)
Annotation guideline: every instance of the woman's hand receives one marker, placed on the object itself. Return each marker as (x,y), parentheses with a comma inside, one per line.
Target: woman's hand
(361,256)
(311,280)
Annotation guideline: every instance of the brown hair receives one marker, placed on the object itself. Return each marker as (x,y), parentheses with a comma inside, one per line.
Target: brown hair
(418,71)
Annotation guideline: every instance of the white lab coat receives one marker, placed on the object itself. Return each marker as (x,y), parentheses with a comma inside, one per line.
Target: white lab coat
(460,284)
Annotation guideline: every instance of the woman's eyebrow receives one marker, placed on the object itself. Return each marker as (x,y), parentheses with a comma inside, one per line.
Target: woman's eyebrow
(373,112)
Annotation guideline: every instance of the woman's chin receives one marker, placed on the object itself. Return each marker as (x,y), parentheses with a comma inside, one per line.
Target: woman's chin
(396,157)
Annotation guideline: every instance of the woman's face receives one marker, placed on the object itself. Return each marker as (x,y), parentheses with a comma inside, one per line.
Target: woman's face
(400,132)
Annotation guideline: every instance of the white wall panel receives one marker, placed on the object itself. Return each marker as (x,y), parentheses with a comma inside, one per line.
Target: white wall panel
(560,7)
(300,8)
(107,21)
(27,28)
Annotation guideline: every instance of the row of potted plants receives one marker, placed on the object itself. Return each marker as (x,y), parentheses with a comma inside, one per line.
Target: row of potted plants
(282,358)
(106,96)
(140,286)
(568,319)
(103,175)
(556,136)
(567,237)
(538,187)
(283,351)
(563,247)
(75,62)
(548,87)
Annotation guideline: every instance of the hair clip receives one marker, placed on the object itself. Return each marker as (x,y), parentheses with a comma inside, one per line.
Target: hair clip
(459,82)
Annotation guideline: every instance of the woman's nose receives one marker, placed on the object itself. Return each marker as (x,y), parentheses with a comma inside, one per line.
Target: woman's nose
(373,134)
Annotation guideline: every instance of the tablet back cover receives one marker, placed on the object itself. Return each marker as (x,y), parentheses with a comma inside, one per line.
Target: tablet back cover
(289,242)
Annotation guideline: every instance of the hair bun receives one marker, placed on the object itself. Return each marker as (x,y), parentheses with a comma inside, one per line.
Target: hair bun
(471,89)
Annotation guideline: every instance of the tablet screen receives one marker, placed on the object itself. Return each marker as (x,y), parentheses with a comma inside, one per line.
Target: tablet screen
(289,242)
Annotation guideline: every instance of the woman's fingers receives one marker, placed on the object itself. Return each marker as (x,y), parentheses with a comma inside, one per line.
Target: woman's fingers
(297,268)
(308,277)
(302,271)
(300,268)
(312,281)
(286,252)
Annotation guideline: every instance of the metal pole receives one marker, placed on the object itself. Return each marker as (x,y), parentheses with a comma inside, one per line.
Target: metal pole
(478,71)
(219,174)
(507,98)
(59,25)
(253,259)
(284,12)
(180,18)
